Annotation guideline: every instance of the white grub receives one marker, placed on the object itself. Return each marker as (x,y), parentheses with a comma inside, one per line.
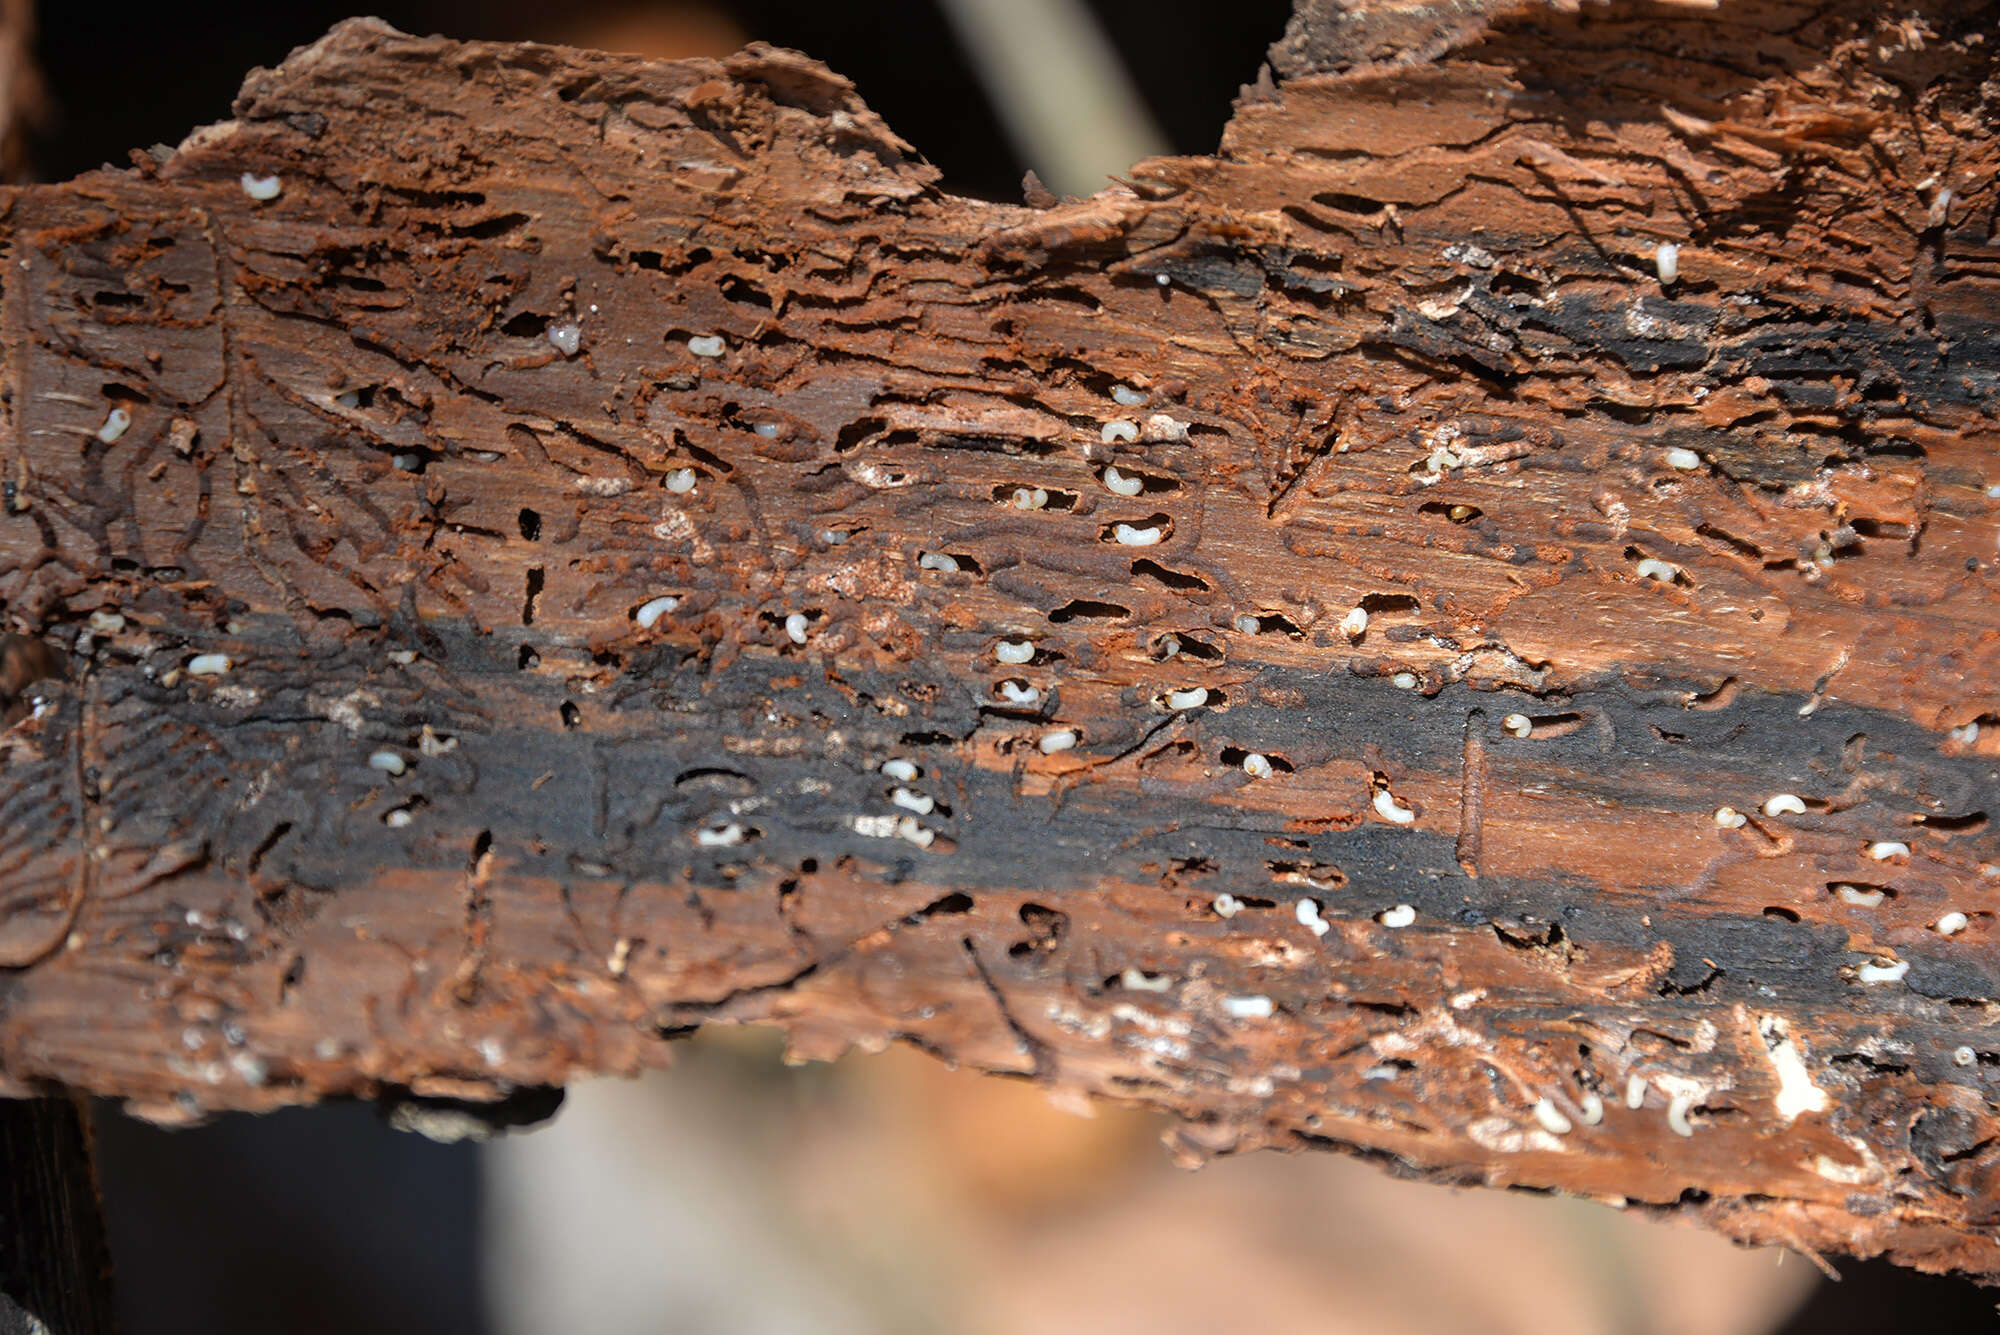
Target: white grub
(1118,430)
(1855,895)
(1884,850)
(1784,804)
(1014,651)
(1257,765)
(1060,740)
(1226,905)
(398,819)
(1635,1090)
(1030,498)
(1160,426)
(873,827)
(1685,460)
(921,803)
(707,345)
(1355,624)
(621,955)
(1389,809)
(1963,1055)
(209,665)
(911,832)
(681,481)
(261,188)
(1194,698)
(1940,208)
(432,745)
(721,836)
(1308,916)
(1127,536)
(900,770)
(116,422)
(649,612)
(1137,980)
(795,627)
(874,475)
(402,657)
(1654,568)
(1965,735)
(1247,624)
(1247,1008)
(1162,279)
(1796,1091)
(1517,724)
(1951,924)
(1677,1114)
(1667,262)
(937,561)
(106,623)
(1126,397)
(1018,692)
(1168,646)
(1551,1118)
(1590,1108)
(566,337)
(1400,916)
(1117,483)
(1404,681)
(768,430)
(1729,818)
(388,762)
(1876,971)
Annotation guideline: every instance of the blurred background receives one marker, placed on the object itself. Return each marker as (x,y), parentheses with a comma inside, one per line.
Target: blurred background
(735,1195)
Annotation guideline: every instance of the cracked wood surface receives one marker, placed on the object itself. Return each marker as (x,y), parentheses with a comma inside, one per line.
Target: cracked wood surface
(611,547)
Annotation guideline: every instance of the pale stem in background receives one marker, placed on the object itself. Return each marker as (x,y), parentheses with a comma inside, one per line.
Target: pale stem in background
(1069,106)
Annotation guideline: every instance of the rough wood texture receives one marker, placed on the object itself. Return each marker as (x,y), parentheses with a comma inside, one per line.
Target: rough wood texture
(1704,536)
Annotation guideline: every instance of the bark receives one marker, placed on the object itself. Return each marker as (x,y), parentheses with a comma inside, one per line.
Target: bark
(471,810)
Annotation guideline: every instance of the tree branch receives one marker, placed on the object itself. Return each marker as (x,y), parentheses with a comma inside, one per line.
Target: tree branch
(546,550)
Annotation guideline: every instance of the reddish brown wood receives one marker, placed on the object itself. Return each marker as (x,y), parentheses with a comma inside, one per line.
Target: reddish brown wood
(1636,542)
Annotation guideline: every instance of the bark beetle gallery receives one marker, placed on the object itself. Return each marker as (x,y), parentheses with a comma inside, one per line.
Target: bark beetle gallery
(1459,629)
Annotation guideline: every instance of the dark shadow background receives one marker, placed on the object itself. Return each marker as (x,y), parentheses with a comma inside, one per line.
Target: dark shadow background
(324,1220)
(313,1221)
(127,75)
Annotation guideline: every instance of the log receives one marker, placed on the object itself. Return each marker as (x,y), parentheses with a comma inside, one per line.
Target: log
(1457,630)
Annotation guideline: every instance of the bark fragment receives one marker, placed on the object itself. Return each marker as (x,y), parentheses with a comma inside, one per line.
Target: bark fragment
(564,572)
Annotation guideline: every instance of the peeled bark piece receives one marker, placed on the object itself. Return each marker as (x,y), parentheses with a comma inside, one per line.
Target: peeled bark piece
(567,571)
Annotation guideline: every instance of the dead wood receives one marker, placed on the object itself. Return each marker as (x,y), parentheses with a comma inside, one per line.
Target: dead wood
(542,551)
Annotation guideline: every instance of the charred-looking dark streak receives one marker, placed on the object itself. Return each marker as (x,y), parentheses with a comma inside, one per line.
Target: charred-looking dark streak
(810,756)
